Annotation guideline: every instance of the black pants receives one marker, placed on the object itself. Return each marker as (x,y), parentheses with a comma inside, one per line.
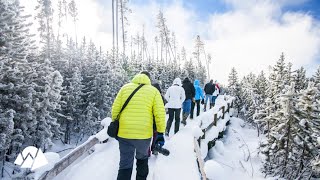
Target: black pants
(176,114)
(192,108)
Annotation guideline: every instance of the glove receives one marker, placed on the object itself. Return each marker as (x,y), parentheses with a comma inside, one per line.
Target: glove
(159,140)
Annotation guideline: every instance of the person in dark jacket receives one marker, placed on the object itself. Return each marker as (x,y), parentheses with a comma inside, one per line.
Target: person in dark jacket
(209,89)
(155,133)
(190,93)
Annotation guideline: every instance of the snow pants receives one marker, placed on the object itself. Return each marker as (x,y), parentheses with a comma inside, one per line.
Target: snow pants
(186,107)
(192,108)
(173,113)
(128,147)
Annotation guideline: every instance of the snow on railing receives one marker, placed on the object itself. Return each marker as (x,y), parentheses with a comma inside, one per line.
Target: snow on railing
(67,160)
(212,131)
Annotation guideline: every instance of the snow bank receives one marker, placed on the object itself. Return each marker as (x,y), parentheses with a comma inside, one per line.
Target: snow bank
(214,170)
(52,159)
(236,155)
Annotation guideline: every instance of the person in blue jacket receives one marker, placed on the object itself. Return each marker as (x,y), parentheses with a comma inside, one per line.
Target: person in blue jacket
(197,98)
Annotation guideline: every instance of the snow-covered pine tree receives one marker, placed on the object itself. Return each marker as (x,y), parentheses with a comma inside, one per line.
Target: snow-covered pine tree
(306,147)
(250,98)
(261,86)
(46,103)
(277,78)
(281,161)
(316,78)
(233,80)
(300,79)
(235,89)
(6,130)
(17,72)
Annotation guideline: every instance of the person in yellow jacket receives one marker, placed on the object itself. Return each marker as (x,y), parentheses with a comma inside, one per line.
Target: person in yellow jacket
(136,124)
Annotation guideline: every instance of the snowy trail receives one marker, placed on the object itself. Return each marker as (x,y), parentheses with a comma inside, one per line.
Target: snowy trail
(180,164)
(103,163)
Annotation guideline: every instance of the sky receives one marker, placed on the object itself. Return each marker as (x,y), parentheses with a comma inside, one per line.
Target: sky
(249,35)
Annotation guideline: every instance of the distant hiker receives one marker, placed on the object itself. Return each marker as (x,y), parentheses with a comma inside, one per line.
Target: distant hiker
(215,93)
(209,88)
(190,93)
(155,132)
(198,97)
(217,85)
(136,124)
(175,96)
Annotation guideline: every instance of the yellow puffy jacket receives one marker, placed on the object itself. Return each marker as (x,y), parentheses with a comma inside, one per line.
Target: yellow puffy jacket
(136,120)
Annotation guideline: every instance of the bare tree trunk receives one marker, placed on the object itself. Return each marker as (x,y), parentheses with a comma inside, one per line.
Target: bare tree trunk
(117,30)
(113,42)
(123,33)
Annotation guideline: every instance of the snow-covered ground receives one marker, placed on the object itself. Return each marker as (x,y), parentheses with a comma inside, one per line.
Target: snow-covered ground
(227,160)
(236,155)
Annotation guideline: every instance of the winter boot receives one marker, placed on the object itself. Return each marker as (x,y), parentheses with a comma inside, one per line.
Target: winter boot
(184,119)
(124,174)
(142,169)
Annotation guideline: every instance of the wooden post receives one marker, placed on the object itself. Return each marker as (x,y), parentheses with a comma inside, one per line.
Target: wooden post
(228,109)
(223,111)
(199,160)
(215,119)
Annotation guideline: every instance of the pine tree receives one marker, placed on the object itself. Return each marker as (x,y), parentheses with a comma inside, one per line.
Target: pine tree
(316,77)
(280,143)
(300,79)
(261,86)
(17,72)
(233,79)
(6,130)
(306,145)
(277,79)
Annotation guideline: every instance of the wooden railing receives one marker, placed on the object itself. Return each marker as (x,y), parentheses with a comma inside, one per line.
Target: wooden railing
(66,161)
(211,143)
(216,118)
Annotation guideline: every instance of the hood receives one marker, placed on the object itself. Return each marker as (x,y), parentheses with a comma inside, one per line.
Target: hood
(186,80)
(141,79)
(177,81)
(196,82)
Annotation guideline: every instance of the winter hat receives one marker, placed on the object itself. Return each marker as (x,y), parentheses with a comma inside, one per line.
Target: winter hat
(177,81)
(146,73)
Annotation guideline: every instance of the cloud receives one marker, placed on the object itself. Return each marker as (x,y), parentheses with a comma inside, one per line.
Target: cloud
(250,36)
(252,39)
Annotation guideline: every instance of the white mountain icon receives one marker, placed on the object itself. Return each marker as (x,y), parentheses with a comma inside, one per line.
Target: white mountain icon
(31,157)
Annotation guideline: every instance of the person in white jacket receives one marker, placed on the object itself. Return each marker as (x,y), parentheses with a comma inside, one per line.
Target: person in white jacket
(175,96)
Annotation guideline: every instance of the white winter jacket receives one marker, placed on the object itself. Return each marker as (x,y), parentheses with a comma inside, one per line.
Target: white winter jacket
(175,95)
(216,91)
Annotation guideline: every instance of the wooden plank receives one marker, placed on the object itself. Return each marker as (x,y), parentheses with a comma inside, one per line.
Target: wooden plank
(68,159)
(200,160)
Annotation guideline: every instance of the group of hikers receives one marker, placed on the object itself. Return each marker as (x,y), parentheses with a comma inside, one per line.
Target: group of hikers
(141,109)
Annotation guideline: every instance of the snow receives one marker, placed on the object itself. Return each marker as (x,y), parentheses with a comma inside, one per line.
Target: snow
(52,158)
(103,134)
(236,155)
(214,170)
(227,160)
